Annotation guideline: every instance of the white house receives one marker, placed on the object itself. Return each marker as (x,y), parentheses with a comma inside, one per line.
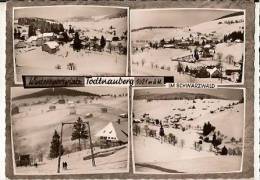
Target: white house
(32,40)
(114,132)
(50,47)
(214,73)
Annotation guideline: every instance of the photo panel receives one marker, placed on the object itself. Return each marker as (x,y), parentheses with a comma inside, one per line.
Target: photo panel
(195,45)
(70,40)
(188,131)
(70,130)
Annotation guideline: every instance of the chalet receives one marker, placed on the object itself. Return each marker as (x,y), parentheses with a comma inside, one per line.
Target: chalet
(52,108)
(115,38)
(32,40)
(61,101)
(113,134)
(15,110)
(39,41)
(230,71)
(72,110)
(48,36)
(20,44)
(23,30)
(50,47)
(104,110)
(214,73)
(168,46)
(238,41)
(23,159)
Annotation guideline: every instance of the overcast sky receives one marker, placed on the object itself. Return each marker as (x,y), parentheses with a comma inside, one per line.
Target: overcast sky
(220,92)
(19,91)
(65,12)
(177,18)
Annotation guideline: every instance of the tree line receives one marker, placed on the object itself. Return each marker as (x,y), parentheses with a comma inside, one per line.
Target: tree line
(42,24)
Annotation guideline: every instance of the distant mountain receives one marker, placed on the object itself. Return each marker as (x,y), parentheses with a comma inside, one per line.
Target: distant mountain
(55,92)
(154,27)
(78,19)
(176,96)
(36,20)
(122,13)
(232,15)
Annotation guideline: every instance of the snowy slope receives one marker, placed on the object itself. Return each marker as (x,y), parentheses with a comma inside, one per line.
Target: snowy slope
(116,162)
(220,29)
(35,121)
(205,28)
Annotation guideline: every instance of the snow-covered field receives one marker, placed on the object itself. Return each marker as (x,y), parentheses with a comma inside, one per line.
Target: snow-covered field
(34,125)
(144,62)
(152,156)
(163,58)
(33,61)
(114,163)
(38,62)
(182,160)
(184,32)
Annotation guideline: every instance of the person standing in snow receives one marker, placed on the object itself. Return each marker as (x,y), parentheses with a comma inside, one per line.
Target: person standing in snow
(161,133)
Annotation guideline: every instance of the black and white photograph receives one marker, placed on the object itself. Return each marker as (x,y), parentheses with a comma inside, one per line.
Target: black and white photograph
(70,130)
(70,40)
(192,131)
(193,45)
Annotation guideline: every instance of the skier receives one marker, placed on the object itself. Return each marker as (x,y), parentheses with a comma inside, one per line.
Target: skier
(161,132)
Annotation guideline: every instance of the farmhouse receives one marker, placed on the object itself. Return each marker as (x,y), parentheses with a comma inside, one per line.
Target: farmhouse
(113,134)
(50,47)
(20,44)
(32,40)
(169,46)
(23,159)
(214,73)
(15,110)
(48,36)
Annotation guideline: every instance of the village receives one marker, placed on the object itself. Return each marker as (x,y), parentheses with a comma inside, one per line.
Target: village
(85,133)
(210,51)
(71,46)
(192,129)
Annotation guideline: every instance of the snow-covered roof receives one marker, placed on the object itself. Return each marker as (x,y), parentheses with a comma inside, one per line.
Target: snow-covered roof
(207,46)
(48,34)
(115,130)
(211,71)
(32,38)
(168,45)
(52,44)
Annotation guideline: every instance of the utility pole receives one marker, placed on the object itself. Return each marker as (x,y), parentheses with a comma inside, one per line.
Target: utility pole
(60,148)
(91,146)
(90,141)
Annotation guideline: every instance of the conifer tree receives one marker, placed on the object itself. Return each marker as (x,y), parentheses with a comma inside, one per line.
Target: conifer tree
(55,145)
(79,131)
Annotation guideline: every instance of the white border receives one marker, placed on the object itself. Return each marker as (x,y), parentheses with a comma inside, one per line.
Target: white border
(256,93)
(243,148)
(68,6)
(71,174)
(199,9)
(3,86)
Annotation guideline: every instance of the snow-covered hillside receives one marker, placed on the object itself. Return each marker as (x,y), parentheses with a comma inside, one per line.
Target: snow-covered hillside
(217,27)
(227,116)
(115,163)
(100,27)
(37,121)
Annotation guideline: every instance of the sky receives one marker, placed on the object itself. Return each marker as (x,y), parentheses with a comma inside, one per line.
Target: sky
(64,12)
(19,91)
(176,17)
(227,93)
